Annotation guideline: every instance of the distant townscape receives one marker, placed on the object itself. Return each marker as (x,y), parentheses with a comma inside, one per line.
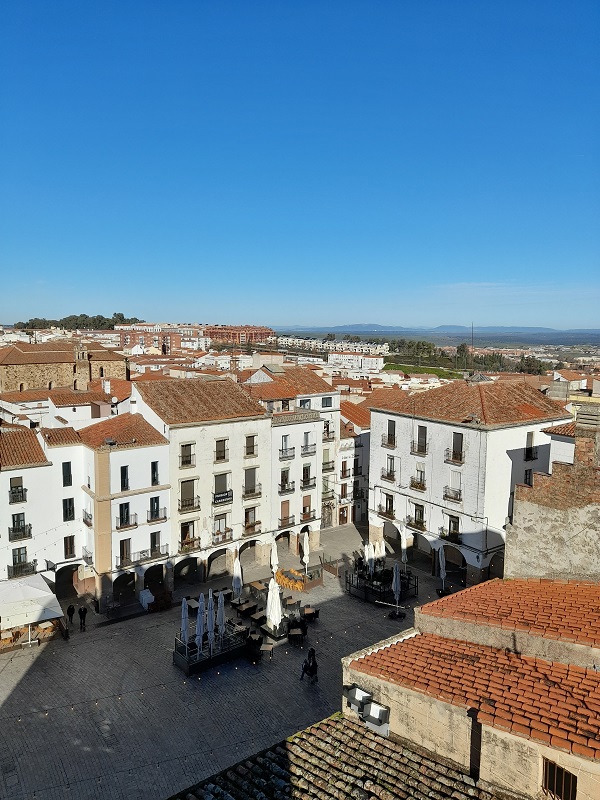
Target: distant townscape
(145,464)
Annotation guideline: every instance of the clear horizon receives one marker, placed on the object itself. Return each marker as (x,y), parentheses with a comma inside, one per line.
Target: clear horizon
(428,163)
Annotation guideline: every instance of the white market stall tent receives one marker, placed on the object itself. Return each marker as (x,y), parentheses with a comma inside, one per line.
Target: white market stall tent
(27,601)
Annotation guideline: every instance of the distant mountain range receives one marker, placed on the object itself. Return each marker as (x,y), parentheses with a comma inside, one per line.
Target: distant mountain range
(363,328)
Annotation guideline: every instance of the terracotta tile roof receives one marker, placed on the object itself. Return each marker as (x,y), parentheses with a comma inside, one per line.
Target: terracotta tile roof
(151,375)
(495,404)
(53,353)
(358,413)
(568,429)
(60,397)
(342,759)
(547,608)
(553,703)
(19,447)
(305,381)
(126,430)
(59,437)
(191,400)
(119,388)
(571,375)
(271,390)
(347,431)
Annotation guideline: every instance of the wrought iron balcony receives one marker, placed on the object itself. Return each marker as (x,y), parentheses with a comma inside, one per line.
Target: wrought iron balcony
(251,527)
(418,448)
(285,522)
(454,456)
(531,453)
(156,514)
(126,522)
(17,494)
(150,554)
(327,494)
(220,498)
(308,483)
(221,455)
(386,511)
(455,495)
(328,466)
(417,524)
(187,460)
(189,545)
(18,533)
(19,570)
(418,483)
(87,518)
(451,536)
(345,474)
(287,488)
(308,449)
(328,435)
(307,516)
(251,491)
(388,474)
(87,555)
(187,504)
(388,441)
(286,453)
(344,499)
(222,535)
(125,485)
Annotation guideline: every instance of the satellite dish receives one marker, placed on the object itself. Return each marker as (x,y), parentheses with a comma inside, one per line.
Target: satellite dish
(114,400)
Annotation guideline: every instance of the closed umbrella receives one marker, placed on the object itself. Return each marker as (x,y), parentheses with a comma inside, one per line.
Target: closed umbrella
(184,621)
(274,612)
(370,557)
(237,577)
(221,615)
(210,620)
(306,551)
(403,547)
(396,584)
(274,558)
(442,557)
(200,622)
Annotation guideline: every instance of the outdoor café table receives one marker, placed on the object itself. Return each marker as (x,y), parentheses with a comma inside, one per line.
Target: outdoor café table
(309,613)
(247,609)
(45,625)
(296,636)
(192,604)
(238,601)
(258,617)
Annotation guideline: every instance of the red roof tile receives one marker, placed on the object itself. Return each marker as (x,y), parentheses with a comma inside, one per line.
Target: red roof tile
(59,437)
(19,447)
(568,429)
(357,413)
(126,430)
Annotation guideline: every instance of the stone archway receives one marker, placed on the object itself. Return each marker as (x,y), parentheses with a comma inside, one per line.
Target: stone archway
(456,564)
(154,579)
(496,567)
(124,587)
(63,581)
(186,571)
(216,564)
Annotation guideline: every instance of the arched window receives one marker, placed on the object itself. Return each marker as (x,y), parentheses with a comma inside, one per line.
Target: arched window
(21,387)
(75,384)
(50,384)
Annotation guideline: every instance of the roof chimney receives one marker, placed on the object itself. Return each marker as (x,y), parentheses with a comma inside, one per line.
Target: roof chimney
(587,436)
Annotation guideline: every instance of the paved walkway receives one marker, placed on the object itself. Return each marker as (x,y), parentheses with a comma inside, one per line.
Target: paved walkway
(106,715)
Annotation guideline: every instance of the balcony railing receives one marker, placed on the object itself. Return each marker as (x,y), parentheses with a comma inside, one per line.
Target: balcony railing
(308,449)
(156,514)
(455,495)
(19,533)
(251,491)
(187,504)
(386,511)
(220,498)
(328,466)
(221,455)
(162,551)
(87,555)
(251,452)
(222,535)
(328,435)
(126,522)
(125,485)
(18,570)
(388,474)
(531,453)
(418,483)
(285,522)
(327,494)
(17,494)
(308,483)
(307,516)
(418,448)
(454,456)
(417,524)
(188,460)
(87,518)
(251,527)
(189,545)
(388,441)
(357,471)
(451,536)
(287,452)
(345,474)
(344,499)
(287,488)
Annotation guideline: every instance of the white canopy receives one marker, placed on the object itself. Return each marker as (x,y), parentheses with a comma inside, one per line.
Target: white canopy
(27,601)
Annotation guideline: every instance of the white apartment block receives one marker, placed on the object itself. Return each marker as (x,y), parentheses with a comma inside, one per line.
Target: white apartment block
(444,465)
(356,361)
(333,345)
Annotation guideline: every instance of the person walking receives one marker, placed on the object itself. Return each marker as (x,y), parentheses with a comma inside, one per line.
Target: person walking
(310,666)
(82,615)
(70,613)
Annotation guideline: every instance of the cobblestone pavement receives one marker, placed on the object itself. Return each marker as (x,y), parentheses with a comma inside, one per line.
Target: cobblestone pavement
(106,715)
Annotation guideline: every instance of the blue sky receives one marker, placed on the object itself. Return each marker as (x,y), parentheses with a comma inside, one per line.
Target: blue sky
(408,163)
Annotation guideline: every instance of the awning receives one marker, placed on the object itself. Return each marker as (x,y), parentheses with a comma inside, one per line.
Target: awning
(27,601)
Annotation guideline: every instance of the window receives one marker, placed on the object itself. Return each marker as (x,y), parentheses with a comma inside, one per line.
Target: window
(419,513)
(18,522)
(125,551)
(66,473)
(154,473)
(221,483)
(389,503)
(390,465)
(285,405)
(221,452)
(154,508)
(124,479)
(250,517)
(186,456)
(123,515)
(304,403)
(250,480)
(154,541)
(344,490)
(528,477)
(19,556)
(68,509)
(453,525)
(420,474)
(327,402)
(559,783)
(69,544)
(220,523)
(306,473)
(306,505)
(251,446)
(422,439)
(391,429)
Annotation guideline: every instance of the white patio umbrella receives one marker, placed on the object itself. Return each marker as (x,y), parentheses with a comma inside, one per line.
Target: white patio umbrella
(306,551)
(200,621)
(221,615)
(184,621)
(237,577)
(210,620)
(381,549)
(274,558)
(370,552)
(403,547)
(396,584)
(274,612)
(442,557)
